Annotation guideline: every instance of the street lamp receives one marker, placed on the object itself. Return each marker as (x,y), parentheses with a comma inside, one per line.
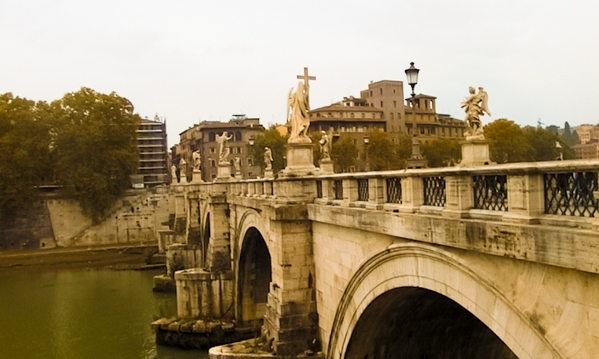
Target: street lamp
(366,142)
(416,161)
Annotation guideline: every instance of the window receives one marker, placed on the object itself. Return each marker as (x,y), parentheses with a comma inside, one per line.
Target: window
(213,176)
(212,163)
(392,115)
(250,162)
(394,102)
(381,90)
(212,149)
(381,104)
(211,137)
(351,115)
(370,93)
(237,136)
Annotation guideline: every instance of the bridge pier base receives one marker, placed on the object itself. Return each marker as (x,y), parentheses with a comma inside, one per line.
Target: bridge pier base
(291,319)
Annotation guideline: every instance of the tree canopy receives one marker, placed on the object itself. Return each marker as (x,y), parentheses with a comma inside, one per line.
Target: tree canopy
(344,153)
(24,152)
(442,152)
(86,142)
(272,139)
(96,147)
(511,143)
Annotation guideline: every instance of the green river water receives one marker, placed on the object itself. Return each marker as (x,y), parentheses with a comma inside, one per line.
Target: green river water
(79,314)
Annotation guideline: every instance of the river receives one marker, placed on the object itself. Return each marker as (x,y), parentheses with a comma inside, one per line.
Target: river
(83,314)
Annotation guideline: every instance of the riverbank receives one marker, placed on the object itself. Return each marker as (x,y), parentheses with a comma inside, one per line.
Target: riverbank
(113,257)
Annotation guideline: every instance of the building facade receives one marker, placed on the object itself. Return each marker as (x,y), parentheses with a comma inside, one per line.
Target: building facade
(153,153)
(429,124)
(203,137)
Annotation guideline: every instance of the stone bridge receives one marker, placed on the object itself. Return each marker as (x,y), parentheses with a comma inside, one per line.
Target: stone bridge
(496,261)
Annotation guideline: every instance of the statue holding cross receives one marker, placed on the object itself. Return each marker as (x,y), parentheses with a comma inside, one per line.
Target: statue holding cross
(298,106)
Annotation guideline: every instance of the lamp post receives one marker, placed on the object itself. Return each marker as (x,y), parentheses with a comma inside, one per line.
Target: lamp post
(416,160)
(366,142)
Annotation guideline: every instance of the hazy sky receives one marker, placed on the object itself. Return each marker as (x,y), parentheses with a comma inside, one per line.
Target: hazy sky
(197,60)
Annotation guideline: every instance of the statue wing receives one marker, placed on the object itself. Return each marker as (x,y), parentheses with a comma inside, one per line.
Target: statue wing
(289,103)
(485,98)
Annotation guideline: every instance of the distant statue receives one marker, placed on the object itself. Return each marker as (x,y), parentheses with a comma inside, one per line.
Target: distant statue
(237,164)
(173,174)
(325,147)
(223,153)
(297,112)
(475,105)
(182,168)
(197,160)
(267,159)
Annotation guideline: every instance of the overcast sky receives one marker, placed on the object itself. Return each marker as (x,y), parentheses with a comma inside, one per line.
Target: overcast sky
(197,60)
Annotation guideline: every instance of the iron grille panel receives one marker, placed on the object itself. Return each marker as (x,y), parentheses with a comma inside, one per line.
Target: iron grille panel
(394,190)
(338,189)
(490,192)
(434,191)
(571,194)
(362,189)
(318,189)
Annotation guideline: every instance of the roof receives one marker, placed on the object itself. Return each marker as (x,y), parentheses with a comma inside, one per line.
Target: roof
(339,107)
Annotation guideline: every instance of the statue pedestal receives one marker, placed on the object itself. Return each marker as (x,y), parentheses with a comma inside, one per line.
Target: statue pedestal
(223,172)
(196,177)
(183,179)
(475,153)
(300,160)
(238,175)
(268,174)
(327,166)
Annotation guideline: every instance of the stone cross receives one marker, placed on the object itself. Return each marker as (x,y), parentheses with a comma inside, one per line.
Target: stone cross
(306,77)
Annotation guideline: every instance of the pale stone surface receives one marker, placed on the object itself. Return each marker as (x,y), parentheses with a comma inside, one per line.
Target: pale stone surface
(475,153)
(267,159)
(223,148)
(475,105)
(528,283)
(298,106)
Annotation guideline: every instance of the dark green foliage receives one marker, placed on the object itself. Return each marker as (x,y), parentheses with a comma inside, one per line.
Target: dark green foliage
(24,153)
(95,147)
(272,139)
(344,154)
(511,143)
(442,152)
(382,153)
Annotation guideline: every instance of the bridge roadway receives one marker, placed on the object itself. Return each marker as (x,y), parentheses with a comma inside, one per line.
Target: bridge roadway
(489,262)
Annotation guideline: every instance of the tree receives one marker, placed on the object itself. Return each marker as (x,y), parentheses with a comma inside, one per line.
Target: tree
(24,153)
(344,154)
(442,152)
(382,153)
(273,139)
(508,142)
(543,143)
(95,146)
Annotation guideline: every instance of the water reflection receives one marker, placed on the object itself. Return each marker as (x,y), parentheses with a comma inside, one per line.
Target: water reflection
(82,314)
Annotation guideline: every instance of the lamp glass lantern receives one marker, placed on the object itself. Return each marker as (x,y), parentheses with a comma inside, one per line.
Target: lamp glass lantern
(412,75)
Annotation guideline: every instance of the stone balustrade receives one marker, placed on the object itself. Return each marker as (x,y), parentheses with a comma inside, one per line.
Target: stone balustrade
(557,193)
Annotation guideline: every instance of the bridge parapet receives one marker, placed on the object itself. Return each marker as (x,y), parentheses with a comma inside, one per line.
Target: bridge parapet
(553,193)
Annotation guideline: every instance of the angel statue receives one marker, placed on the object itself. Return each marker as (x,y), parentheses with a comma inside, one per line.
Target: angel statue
(475,105)
(223,147)
(297,113)
(325,146)
(267,159)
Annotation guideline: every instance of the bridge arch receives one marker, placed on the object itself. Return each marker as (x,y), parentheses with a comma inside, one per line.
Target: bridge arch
(253,269)
(404,272)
